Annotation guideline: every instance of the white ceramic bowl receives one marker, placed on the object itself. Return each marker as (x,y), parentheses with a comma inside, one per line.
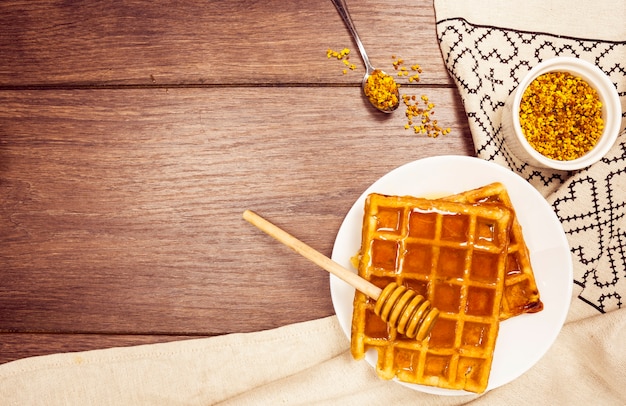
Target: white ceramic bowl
(611,113)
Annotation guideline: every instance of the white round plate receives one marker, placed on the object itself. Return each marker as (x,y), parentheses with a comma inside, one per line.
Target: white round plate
(522,340)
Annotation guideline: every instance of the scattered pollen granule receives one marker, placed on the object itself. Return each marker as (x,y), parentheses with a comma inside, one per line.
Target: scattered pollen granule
(419,114)
(343,56)
(415,77)
(415,70)
(397,63)
(419,111)
(382,90)
(561,116)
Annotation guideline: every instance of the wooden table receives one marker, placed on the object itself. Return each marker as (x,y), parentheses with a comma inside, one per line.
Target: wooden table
(133,135)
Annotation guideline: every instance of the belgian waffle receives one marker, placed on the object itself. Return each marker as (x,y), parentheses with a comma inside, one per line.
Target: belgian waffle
(454,254)
(521,294)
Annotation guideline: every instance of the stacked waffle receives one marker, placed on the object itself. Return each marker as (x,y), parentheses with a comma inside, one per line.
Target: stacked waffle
(467,256)
(521,294)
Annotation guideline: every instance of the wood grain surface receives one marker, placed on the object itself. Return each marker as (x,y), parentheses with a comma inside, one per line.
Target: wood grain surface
(133,136)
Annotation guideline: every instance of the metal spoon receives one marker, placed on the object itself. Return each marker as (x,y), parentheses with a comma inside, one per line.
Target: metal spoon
(388,98)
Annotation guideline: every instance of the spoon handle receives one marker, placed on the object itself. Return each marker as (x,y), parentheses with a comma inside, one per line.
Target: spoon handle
(342,8)
(312,255)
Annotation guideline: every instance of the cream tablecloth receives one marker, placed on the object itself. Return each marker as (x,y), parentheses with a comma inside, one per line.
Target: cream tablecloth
(487,47)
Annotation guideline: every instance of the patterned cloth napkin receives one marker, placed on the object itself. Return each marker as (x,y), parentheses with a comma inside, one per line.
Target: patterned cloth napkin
(487,46)
(488,61)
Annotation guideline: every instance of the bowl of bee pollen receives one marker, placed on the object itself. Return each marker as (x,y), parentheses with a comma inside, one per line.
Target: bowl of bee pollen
(565,115)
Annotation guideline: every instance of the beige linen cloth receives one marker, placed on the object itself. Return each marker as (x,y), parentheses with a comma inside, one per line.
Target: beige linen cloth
(487,47)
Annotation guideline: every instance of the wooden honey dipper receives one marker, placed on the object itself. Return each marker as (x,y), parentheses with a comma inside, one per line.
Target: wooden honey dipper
(411,314)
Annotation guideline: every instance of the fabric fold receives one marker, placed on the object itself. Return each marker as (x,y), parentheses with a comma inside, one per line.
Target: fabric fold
(199,371)
(272,367)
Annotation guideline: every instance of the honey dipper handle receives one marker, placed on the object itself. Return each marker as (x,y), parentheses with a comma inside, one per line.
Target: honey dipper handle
(314,256)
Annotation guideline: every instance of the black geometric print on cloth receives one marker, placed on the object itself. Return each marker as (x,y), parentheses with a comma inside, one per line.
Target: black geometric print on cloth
(487,63)
(592,209)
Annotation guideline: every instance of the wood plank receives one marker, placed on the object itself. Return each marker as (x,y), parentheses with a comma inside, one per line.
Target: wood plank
(14,346)
(120,209)
(199,42)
